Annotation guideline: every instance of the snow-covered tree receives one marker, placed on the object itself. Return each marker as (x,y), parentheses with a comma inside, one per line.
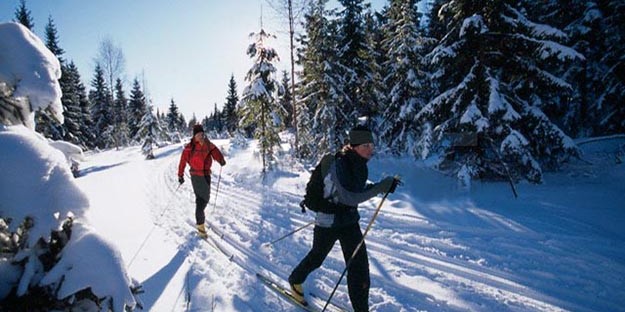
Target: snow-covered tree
(490,68)
(229,111)
(72,112)
(47,125)
(137,108)
(22,16)
(149,131)
(259,106)
(175,122)
(285,99)
(101,109)
(373,92)
(352,50)
(320,89)
(120,115)
(46,243)
(405,78)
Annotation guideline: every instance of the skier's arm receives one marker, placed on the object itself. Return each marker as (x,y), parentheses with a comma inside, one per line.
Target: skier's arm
(184,158)
(216,154)
(353,198)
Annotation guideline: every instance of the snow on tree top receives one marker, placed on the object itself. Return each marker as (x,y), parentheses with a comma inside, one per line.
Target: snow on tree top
(31,70)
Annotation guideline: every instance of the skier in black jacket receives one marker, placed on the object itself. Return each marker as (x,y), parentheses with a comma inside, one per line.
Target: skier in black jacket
(345,186)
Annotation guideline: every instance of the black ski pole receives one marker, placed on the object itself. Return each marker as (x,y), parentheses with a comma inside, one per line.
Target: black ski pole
(217,191)
(362,241)
(290,233)
(154,226)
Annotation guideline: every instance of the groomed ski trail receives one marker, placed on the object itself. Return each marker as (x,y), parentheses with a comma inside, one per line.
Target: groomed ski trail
(245,208)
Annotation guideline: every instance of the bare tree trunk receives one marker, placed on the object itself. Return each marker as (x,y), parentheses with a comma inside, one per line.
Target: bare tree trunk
(292,48)
(286,7)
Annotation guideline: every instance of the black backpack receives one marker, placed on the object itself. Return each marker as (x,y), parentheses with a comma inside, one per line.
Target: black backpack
(313,199)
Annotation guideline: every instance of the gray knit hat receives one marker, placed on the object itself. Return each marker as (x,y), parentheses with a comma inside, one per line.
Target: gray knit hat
(360,135)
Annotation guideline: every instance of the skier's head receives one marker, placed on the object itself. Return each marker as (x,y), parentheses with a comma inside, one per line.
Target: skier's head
(197,129)
(361,141)
(360,135)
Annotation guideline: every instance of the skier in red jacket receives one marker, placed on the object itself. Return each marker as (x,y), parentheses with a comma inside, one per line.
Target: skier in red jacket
(199,154)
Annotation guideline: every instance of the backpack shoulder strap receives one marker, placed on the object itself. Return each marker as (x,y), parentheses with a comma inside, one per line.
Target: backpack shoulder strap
(325,164)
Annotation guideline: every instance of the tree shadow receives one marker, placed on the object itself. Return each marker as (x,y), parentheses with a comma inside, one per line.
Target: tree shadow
(156,284)
(90,170)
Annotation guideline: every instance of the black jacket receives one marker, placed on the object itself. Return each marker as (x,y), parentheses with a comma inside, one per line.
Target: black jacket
(348,175)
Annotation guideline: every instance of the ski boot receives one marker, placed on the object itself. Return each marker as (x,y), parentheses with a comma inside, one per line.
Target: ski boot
(201,231)
(297,291)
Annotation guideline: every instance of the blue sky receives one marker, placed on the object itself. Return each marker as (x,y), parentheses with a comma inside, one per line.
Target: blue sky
(186,50)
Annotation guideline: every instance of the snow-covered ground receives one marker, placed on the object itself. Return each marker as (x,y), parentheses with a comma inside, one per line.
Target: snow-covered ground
(435,246)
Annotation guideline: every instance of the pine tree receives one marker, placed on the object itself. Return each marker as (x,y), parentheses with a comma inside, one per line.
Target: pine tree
(137,108)
(46,124)
(260,108)
(22,16)
(321,85)
(120,115)
(149,131)
(405,79)
(72,111)
(612,115)
(285,99)
(192,122)
(87,126)
(101,110)
(175,122)
(492,87)
(374,93)
(52,40)
(573,111)
(352,48)
(229,112)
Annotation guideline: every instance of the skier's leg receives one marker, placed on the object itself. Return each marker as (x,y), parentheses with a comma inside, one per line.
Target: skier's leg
(201,187)
(323,241)
(200,204)
(358,272)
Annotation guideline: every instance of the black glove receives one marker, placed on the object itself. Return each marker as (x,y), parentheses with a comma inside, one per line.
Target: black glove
(223,163)
(385,185)
(396,182)
(180,179)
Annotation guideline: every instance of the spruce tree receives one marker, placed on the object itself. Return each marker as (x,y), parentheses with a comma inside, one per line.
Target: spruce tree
(72,111)
(260,107)
(148,133)
(373,94)
(120,115)
(352,47)
(175,122)
(490,71)
(405,78)
(46,124)
(52,40)
(285,99)
(101,110)
(229,112)
(321,85)
(22,16)
(192,122)
(87,126)
(137,107)
(574,111)
(610,103)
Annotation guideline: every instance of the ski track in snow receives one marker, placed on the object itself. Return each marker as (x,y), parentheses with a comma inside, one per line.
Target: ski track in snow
(416,264)
(238,208)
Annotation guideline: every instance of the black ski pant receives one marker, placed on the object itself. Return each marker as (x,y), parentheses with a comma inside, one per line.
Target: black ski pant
(358,271)
(202,190)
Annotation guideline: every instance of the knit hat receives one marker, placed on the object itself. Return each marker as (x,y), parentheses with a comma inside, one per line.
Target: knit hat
(197,128)
(360,135)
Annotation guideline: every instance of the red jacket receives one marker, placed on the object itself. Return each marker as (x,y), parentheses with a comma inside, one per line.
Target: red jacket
(199,158)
